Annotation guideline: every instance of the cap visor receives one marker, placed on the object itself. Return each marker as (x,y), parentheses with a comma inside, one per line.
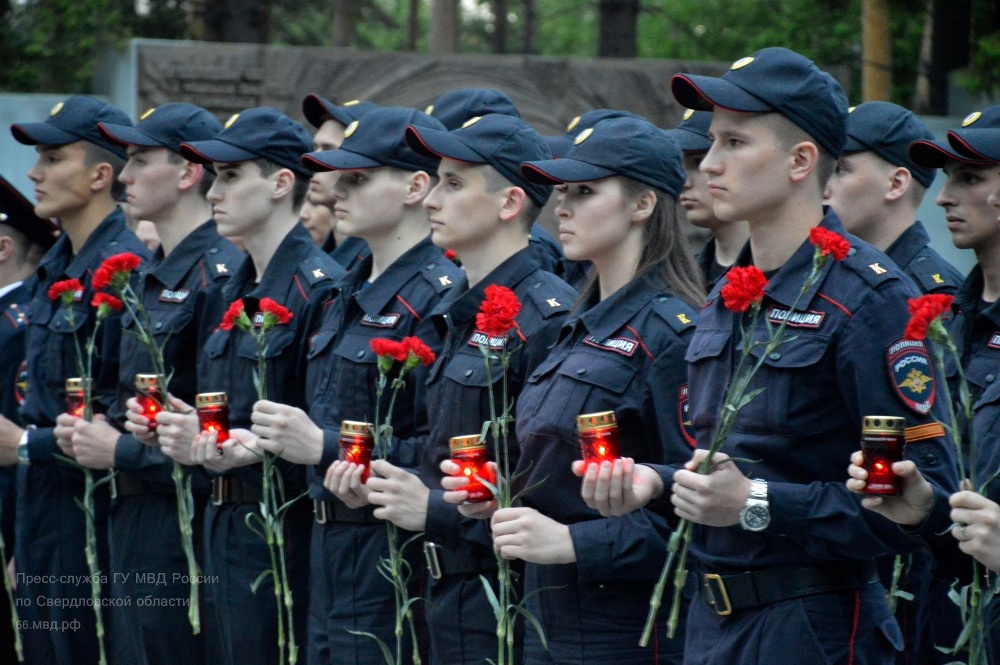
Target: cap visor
(126,136)
(337,160)
(42,133)
(313,108)
(981,144)
(933,155)
(438,143)
(564,169)
(217,151)
(705,92)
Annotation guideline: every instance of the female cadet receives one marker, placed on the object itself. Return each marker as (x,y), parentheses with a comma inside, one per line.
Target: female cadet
(622,350)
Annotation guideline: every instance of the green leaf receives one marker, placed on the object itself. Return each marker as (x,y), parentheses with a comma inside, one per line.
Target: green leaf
(260,579)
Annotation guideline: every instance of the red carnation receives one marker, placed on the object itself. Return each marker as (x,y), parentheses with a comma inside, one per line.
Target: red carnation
(390,348)
(830,243)
(107,300)
(452,256)
(498,311)
(63,287)
(112,267)
(923,312)
(281,313)
(234,312)
(420,351)
(745,287)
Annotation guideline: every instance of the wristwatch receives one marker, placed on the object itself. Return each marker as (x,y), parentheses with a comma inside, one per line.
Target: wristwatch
(22,450)
(756,513)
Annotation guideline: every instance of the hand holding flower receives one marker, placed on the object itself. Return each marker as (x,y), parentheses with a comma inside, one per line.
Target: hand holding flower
(287,431)
(63,431)
(176,430)
(454,482)
(979,535)
(526,534)
(401,496)
(713,499)
(94,443)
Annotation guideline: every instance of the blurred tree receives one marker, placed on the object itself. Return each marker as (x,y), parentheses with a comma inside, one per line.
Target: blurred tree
(618,28)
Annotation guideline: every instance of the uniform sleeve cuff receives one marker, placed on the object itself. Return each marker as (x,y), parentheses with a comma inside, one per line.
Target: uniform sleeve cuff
(128,453)
(331,449)
(42,445)
(443,520)
(590,543)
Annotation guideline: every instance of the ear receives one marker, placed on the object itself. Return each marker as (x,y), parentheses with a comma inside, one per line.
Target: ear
(418,186)
(804,158)
(514,201)
(899,184)
(102,176)
(191,175)
(643,206)
(284,182)
(6,247)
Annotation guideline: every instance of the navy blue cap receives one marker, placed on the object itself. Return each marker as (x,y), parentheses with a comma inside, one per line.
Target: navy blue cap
(18,213)
(166,126)
(561,144)
(72,120)
(978,136)
(692,134)
(778,80)
(453,108)
(502,141)
(257,133)
(316,109)
(888,130)
(630,147)
(934,154)
(377,140)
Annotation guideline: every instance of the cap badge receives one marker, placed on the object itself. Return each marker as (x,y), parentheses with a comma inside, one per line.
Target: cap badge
(353,102)
(583,136)
(851,110)
(351,128)
(971,118)
(742,62)
(573,123)
(471,121)
(232,119)
(688,114)
(429,110)
(56,108)
(147,114)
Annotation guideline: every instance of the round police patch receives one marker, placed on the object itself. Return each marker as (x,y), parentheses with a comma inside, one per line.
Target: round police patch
(684,416)
(912,374)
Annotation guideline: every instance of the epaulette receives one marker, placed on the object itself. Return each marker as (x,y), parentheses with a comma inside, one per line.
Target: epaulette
(218,266)
(441,274)
(317,269)
(16,316)
(547,300)
(930,276)
(678,314)
(873,267)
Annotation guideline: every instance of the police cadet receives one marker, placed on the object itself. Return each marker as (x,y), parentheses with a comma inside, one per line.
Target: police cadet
(728,238)
(330,121)
(378,197)
(876,189)
(75,181)
(144,537)
(481,208)
(622,350)
(258,191)
(24,238)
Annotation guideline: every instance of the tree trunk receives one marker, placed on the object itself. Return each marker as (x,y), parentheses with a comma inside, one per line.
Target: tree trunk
(950,26)
(530,22)
(345,14)
(444,27)
(237,20)
(500,26)
(876,51)
(412,25)
(618,32)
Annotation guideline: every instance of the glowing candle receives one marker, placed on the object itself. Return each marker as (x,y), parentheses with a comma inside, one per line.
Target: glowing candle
(356,443)
(598,436)
(75,397)
(213,416)
(469,453)
(882,442)
(147,394)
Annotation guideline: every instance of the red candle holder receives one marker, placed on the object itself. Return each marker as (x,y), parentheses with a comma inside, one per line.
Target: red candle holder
(75,397)
(356,443)
(147,394)
(213,416)
(882,441)
(469,453)
(598,436)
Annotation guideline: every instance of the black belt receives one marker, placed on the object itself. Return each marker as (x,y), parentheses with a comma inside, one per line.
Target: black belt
(442,561)
(232,489)
(728,592)
(336,510)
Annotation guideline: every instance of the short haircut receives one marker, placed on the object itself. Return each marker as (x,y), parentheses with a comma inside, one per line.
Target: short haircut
(95,154)
(790,134)
(494,181)
(299,189)
(207,175)
(25,251)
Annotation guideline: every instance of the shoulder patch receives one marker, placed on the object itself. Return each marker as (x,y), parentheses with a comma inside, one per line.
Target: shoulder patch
(218,268)
(678,314)
(16,316)
(441,275)
(873,267)
(315,272)
(912,374)
(931,277)
(547,300)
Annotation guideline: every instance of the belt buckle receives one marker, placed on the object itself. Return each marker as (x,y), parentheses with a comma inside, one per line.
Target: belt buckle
(711,582)
(218,490)
(431,557)
(320,511)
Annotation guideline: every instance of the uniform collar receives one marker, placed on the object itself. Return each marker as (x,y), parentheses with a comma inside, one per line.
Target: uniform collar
(909,243)
(463,308)
(170,272)
(970,294)
(99,243)
(374,297)
(606,317)
(294,248)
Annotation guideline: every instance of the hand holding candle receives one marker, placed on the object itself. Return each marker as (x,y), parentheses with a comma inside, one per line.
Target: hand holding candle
(598,437)
(469,453)
(213,416)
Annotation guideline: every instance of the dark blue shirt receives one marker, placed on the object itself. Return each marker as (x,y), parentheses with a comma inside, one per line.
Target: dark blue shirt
(711,270)
(975,328)
(845,358)
(623,354)
(13,370)
(171,289)
(912,252)
(301,277)
(341,373)
(458,389)
(349,253)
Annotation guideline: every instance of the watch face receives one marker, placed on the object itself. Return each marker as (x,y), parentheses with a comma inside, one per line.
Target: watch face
(756,517)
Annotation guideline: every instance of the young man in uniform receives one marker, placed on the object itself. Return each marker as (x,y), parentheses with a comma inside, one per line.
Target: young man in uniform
(75,181)
(728,238)
(481,208)
(877,188)
(258,191)
(378,197)
(163,187)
